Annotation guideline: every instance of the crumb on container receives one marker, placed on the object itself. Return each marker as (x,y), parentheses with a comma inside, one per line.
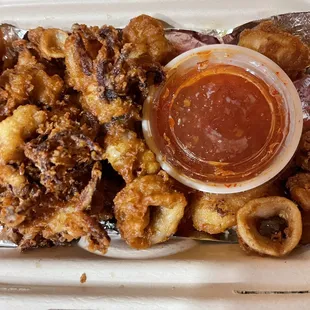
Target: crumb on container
(83,278)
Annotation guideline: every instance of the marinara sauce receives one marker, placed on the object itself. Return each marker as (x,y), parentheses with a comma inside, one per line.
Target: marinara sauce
(218,124)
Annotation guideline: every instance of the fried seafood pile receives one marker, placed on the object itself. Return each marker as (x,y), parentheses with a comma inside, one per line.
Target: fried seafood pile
(70,137)
(72,153)
(273,218)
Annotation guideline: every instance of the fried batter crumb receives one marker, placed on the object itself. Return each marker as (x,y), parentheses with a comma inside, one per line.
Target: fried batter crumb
(83,278)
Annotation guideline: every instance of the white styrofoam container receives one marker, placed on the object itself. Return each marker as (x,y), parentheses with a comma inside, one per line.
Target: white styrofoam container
(208,276)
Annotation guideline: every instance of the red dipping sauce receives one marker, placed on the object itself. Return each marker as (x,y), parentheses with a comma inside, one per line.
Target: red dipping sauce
(217,123)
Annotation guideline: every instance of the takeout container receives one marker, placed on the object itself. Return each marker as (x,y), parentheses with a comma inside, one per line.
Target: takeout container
(209,276)
(259,66)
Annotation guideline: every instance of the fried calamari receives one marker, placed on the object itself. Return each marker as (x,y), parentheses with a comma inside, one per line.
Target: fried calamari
(16,129)
(299,184)
(287,50)
(106,71)
(279,236)
(49,221)
(83,78)
(63,154)
(148,210)
(69,104)
(28,82)
(128,154)
(72,152)
(214,213)
(148,36)
(49,42)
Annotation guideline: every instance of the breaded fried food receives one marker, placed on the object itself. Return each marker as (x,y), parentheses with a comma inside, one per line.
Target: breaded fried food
(285,49)
(214,213)
(48,221)
(16,129)
(16,83)
(299,187)
(28,81)
(82,75)
(70,101)
(279,236)
(46,89)
(104,69)
(128,154)
(10,178)
(64,153)
(49,42)
(148,210)
(148,36)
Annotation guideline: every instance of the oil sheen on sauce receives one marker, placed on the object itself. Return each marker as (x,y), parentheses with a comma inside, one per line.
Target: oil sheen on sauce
(220,124)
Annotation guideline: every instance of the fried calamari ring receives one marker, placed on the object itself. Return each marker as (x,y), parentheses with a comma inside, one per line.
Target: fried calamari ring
(148,210)
(276,242)
(83,77)
(50,42)
(214,213)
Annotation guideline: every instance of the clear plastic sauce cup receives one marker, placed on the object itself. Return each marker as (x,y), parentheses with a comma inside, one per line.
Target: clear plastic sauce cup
(227,119)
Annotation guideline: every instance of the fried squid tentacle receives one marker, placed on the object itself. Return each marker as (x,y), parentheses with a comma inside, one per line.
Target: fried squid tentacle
(82,77)
(269,226)
(112,76)
(148,210)
(54,221)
